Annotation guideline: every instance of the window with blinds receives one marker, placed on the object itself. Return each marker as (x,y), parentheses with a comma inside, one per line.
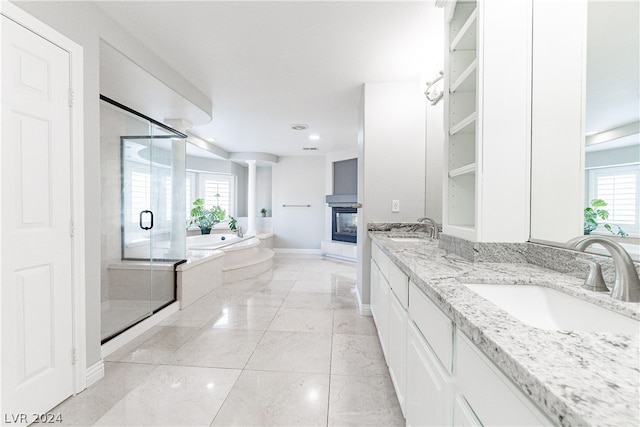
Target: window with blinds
(140,194)
(215,189)
(618,186)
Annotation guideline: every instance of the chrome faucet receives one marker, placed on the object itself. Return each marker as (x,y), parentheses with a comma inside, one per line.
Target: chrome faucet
(627,283)
(435,231)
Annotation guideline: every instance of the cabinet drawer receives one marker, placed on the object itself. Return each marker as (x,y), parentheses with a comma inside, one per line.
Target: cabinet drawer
(399,284)
(381,259)
(492,396)
(434,325)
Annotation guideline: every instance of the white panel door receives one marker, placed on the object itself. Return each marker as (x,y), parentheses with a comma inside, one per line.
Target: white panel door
(37,306)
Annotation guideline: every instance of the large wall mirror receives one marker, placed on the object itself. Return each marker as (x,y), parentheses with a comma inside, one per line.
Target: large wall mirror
(586,121)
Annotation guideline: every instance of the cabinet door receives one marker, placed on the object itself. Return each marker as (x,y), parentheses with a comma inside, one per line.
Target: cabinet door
(428,390)
(375,285)
(397,347)
(383,315)
(463,414)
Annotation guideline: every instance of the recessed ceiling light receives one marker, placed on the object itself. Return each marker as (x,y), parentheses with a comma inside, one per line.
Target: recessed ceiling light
(314,137)
(299,127)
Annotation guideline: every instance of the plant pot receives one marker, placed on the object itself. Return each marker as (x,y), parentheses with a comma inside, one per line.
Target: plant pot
(264,215)
(205,230)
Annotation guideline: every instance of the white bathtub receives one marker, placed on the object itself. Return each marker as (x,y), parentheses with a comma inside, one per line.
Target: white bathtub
(210,241)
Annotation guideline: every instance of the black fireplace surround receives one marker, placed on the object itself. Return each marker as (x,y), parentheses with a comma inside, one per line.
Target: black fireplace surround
(345,224)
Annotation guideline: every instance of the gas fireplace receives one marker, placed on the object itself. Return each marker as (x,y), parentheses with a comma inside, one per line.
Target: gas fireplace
(345,224)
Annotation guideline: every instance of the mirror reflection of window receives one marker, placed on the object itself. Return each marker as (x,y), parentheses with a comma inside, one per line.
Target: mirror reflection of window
(612,114)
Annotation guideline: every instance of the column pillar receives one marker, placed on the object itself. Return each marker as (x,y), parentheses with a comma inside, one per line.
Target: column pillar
(178,195)
(251,195)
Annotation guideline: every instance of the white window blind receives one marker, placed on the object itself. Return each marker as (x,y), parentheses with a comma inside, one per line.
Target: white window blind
(618,186)
(209,185)
(140,194)
(212,185)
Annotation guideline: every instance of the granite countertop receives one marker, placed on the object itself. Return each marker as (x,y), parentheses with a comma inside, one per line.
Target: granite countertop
(576,378)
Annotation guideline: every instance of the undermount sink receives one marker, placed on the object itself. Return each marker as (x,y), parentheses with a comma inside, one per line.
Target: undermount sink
(406,239)
(547,308)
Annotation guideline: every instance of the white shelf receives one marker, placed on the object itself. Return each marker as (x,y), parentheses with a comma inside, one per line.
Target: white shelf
(458,41)
(469,120)
(466,231)
(464,170)
(464,82)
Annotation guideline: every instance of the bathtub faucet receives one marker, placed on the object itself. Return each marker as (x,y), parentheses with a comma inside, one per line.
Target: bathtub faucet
(240,232)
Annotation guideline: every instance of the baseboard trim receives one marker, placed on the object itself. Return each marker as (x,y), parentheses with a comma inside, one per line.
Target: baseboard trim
(290,251)
(341,258)
(95,372)
(364,309)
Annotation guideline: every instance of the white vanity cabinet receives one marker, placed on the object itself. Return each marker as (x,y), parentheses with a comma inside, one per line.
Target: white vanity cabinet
(487,101)
(380,293)
(440,376)
(389,301)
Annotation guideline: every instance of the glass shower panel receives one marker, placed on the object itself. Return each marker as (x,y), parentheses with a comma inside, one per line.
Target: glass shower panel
(143,218)
(125,275)
(168,235)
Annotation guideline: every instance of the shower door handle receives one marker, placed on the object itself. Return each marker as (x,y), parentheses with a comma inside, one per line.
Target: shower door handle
(150,225)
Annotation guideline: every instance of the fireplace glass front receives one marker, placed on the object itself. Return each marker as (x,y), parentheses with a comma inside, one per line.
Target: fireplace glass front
(345,224)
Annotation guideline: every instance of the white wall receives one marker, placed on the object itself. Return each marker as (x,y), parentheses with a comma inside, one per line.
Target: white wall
(328,173)
(391,163)
(85,24)
(394,151)
(299,180)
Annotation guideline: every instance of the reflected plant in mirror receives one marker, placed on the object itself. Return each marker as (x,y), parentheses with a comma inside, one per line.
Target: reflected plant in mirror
(595,211)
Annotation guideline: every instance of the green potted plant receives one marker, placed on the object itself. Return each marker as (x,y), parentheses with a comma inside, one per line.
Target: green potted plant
(263,211)
(595,211)
(206,218)
(233,223)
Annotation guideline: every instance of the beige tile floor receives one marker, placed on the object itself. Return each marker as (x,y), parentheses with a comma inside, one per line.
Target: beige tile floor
(286,348)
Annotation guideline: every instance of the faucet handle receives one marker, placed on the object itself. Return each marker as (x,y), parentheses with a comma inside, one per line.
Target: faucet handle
(594,281)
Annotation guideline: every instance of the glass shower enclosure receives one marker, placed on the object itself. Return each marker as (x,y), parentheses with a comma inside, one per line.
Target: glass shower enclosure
(143,227)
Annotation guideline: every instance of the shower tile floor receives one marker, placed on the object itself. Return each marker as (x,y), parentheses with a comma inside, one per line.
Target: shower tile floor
(285,348)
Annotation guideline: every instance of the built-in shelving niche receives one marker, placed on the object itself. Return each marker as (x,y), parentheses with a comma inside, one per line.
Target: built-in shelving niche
(461,101)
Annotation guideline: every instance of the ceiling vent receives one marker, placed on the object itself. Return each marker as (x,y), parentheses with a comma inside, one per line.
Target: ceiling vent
(299,127)
(310,148)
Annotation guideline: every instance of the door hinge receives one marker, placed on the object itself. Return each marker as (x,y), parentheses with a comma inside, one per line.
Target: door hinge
(74,356)
(70,98)
(72,228)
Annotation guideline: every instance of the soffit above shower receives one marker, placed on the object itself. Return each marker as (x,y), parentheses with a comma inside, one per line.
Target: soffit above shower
(126,82)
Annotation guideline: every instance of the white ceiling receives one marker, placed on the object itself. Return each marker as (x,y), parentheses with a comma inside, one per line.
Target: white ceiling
(267,65)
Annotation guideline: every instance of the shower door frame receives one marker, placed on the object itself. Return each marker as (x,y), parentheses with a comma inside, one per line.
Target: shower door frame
(174,134)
